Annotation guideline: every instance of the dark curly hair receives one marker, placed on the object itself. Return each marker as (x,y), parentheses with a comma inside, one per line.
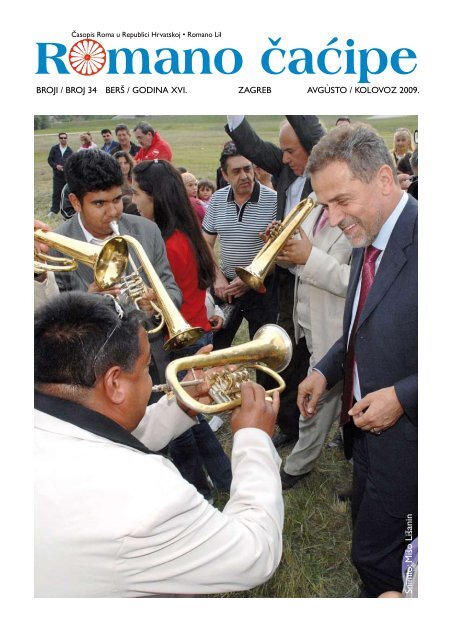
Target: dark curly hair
(91,170)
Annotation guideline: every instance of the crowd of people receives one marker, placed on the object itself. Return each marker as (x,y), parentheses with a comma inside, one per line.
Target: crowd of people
(124,479)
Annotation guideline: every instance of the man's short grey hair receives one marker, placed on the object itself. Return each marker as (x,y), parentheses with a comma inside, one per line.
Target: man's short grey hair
(414,160)
(358,145)
(144,128)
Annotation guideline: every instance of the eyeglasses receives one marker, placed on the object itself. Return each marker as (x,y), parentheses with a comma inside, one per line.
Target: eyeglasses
(120,314)
(63,137)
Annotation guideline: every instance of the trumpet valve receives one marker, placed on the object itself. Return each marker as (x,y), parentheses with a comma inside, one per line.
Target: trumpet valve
(133,286)
(226,385)
(275,231)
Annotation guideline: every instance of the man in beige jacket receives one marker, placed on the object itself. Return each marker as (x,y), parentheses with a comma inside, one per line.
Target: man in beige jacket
(323,255)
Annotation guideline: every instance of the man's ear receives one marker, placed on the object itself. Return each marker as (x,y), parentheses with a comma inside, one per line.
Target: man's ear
(76,204)
(112,383)
(225,177)
(386,179)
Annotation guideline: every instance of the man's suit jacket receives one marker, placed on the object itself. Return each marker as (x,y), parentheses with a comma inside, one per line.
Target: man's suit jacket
(386,355)
(145,231)
(270,157)
(149,236)
(323,281)
(55,158)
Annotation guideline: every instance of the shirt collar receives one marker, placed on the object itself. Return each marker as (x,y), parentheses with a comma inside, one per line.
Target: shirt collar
(88,236)
(87,419)
(253,198)
(382,238)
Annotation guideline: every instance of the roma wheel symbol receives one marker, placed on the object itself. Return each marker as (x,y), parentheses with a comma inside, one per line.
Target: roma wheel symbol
(87,57)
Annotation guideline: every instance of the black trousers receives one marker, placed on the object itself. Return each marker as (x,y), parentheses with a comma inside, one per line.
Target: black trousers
(258,309)
(379,539)
(288,416)
(58,184)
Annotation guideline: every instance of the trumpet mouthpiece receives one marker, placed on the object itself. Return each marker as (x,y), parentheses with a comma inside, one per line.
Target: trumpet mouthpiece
(114,227)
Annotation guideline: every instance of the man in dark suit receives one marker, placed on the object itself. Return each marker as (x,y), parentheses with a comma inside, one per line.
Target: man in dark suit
(94,182)
(286,164)
(354,177)
(58,156)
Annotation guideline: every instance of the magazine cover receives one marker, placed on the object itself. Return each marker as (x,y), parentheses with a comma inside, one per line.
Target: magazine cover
(171,142)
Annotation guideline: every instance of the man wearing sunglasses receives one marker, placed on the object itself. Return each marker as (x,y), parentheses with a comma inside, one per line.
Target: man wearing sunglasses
(57,159)
(113,519)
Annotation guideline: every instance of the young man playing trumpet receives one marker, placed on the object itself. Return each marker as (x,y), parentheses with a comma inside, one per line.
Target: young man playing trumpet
(112,519)
(94,180)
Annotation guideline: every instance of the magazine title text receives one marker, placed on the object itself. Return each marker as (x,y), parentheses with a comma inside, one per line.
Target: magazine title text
(88,57)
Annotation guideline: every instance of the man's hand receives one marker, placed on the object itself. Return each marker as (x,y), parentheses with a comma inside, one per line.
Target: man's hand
(216,323)
(404,180)
(113,291)
(309,392)
(235,289)
(378,410)
(296,251)
(59,167)
(255,410)
(144,302)
(220,285)
(265,235)
(200,391)
(40,247)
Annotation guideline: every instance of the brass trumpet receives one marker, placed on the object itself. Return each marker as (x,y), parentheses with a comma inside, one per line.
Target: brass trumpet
(181,333)
(270,351)
(108,261)
(256,272)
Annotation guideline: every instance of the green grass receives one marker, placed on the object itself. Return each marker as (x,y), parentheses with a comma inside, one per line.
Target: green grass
(196,142)
(317,530)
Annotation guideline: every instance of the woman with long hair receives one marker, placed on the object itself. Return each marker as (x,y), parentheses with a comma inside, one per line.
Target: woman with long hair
(402,144)
(86,141)
(126,162)
(160,195)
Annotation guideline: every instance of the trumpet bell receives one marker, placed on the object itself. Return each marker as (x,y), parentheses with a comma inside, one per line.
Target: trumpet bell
(183,338)
(108,261)
(111,263)
(270,351)
(281,348)
(255,273)
(254,279)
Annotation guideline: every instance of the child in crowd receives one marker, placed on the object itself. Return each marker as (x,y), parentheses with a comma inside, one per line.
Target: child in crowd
(205,190)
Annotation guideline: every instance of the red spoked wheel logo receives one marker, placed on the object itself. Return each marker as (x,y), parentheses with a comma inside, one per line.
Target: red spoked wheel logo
(87,57)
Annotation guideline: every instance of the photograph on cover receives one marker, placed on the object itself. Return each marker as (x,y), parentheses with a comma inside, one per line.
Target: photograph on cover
(289,242)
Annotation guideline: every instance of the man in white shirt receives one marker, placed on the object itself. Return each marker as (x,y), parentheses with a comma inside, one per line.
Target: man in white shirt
(112,519)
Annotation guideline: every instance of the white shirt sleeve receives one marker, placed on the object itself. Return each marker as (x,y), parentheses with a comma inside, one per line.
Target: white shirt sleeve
(234,122)
(162,422)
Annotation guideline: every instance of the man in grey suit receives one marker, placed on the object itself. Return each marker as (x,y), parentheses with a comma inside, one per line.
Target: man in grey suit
(354,177)
(94,179)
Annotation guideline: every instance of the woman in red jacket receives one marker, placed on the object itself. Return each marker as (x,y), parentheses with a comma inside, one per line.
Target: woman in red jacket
(160,195)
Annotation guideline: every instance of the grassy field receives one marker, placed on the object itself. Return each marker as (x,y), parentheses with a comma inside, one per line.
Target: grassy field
(196,141)
(317,531)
